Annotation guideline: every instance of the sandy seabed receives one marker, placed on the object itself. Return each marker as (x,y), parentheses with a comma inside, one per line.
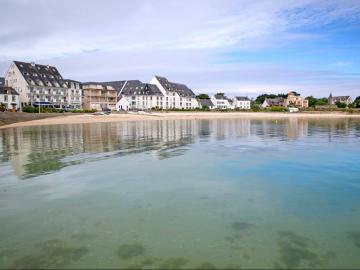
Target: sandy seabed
(118,117)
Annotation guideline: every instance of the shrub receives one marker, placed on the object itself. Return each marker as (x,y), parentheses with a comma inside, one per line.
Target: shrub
(277,109)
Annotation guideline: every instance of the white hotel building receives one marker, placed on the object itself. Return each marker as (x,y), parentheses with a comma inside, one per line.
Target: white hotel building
(159,93)
(41,85)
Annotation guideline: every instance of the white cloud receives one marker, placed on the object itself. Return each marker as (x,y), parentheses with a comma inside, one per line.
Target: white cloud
(105,40)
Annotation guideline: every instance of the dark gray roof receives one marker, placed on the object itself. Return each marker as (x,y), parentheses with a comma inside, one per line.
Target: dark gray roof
(340,98)
(275,101)
(136,87)
(242,98)
(221,97)
(2,81)
(206,102)
(47,75)
(68,81)
(118,85)
(179,88)
(8,91)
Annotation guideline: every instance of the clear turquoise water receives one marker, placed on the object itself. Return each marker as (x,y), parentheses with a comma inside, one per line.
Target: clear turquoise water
(181,194)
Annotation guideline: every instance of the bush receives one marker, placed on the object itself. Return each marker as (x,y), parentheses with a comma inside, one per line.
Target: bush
(31,109)
(277,109)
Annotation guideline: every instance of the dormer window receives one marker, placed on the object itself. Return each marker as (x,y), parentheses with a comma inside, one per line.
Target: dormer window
(35,74)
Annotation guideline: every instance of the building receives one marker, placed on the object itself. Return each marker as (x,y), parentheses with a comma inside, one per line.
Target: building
(206,103)
(343,99)
(37,84)
(221,102)
(242,103)
(270,102)
(136,95)
(73,94)
(98,96)
(10,98)
(2,81)
(177,96)
(294,99)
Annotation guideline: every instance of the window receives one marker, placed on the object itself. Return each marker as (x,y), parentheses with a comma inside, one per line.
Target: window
(5,98)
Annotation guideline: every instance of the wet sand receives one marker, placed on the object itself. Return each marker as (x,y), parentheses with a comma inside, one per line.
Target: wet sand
(117,117)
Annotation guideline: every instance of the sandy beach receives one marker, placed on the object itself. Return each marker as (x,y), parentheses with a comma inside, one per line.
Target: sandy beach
(90,118)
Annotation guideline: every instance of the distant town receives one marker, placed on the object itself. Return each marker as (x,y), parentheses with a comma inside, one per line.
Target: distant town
(30,87)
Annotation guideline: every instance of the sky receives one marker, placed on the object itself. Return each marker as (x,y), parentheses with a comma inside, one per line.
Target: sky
(241,47)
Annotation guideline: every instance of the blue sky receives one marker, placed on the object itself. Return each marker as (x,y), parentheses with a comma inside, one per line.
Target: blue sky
(237,47)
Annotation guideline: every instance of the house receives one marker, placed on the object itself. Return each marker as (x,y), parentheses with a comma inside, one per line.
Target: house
(270,102)
(294,99)
(177,95)
(9,97)
(242,103)
(343,99)
(98,96)
(37,84)
(221,102)
(73,94)
(2,81)
(206,103)
(136,95)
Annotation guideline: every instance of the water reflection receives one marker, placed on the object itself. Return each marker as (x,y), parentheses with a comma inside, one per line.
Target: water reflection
(32,151)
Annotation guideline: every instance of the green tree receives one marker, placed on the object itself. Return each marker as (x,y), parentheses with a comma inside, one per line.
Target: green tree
(312,101)
(356,102)
(340,104)
(220,94)
(203,96)
(2,107)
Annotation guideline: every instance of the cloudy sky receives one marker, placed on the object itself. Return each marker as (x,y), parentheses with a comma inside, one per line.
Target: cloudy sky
(247,47)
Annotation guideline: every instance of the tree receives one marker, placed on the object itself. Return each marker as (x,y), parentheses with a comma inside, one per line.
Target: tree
(322,101)
(312,101)
(340,104)
(2,107)
(260,99)
(203,96)
(356,102)
(220,94)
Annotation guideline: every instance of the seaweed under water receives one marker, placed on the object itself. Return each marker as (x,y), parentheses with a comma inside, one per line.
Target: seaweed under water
(129,251)
(50,254)
(355,238)
(241,226)
(295,251)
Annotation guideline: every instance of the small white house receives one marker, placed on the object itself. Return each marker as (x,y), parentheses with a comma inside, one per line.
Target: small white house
(221,102)
(10,98)
(242,103)
(123,104)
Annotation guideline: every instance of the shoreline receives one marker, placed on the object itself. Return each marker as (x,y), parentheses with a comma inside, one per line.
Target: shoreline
(116,117)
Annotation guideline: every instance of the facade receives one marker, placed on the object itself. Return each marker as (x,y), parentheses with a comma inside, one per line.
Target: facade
(242,103)
(37,84)
(221,102)
(98,96)
(10,98)
(73,94)
(136,95)
(270,102)
(206,103)
(294,99)
(343,99)
(176,95)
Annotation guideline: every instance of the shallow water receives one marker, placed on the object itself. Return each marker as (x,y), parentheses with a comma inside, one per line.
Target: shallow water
(181,194)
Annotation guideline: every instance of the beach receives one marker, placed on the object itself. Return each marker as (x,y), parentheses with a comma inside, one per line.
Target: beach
(119,117)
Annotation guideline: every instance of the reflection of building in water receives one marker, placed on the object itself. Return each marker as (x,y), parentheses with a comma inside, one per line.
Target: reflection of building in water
(38,150)
(297,127)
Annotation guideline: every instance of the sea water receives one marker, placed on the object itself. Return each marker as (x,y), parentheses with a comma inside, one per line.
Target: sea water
(232,193)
